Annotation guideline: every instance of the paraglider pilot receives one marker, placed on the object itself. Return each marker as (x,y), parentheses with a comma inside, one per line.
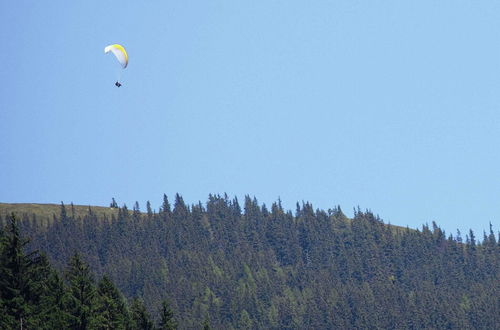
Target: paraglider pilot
(120,54)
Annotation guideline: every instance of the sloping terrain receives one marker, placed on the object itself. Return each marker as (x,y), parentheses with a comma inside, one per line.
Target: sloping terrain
(251,266)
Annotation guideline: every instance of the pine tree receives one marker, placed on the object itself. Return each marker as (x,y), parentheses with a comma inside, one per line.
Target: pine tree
(53,298)
(139,317)
(112,312)
(136,212)
(165,207)
(82,294)
(206,324)
(167,321)
(17,282)
(63,212)
(149,209)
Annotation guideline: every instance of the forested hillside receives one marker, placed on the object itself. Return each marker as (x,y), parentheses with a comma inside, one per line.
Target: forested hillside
(249,266)
(35,296)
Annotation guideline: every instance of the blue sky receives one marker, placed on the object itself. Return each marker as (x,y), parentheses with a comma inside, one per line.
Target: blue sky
(390,105)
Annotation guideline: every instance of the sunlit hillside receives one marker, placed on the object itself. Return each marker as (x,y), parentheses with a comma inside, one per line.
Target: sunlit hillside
(45,212)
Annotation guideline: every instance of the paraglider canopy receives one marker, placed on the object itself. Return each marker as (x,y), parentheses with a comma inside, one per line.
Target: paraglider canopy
(119,52)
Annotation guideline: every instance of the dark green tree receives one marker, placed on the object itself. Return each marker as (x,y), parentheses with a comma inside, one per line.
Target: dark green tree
(82,294)
(55,316)
(165,207)
(139,317)
(18,293)
(113,204)
(167,321)
(149,210)
(206,323)
(112,312)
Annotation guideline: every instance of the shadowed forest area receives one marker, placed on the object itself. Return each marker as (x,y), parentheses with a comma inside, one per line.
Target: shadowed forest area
(230,266)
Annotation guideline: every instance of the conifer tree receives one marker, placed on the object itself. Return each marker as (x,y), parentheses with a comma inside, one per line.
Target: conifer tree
(165,207)
(139,317)
(113,204)
(53,303)
(17,292)
(149,210)
(112,312)
(167,321)
(82,294)
(63,212)
(206,324)
(136,208)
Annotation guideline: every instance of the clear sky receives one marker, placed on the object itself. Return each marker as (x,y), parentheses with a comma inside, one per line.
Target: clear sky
(390,105)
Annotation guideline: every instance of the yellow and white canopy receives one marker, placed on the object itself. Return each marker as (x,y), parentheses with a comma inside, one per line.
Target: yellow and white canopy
(119,52)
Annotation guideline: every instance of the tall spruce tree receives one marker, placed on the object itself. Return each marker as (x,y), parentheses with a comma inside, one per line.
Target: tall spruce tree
(82,294)
(167,320)
(53,303)
(111,310)
(18,282)
(206,323)
(113,204)
(139,317)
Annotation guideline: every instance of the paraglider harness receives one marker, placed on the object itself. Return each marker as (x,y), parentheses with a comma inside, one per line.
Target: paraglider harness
(117,84)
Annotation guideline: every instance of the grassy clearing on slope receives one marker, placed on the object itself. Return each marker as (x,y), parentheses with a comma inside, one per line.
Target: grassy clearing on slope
(45,212)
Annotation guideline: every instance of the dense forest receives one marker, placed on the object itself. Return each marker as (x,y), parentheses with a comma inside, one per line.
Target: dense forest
(35,296)
(230,266)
